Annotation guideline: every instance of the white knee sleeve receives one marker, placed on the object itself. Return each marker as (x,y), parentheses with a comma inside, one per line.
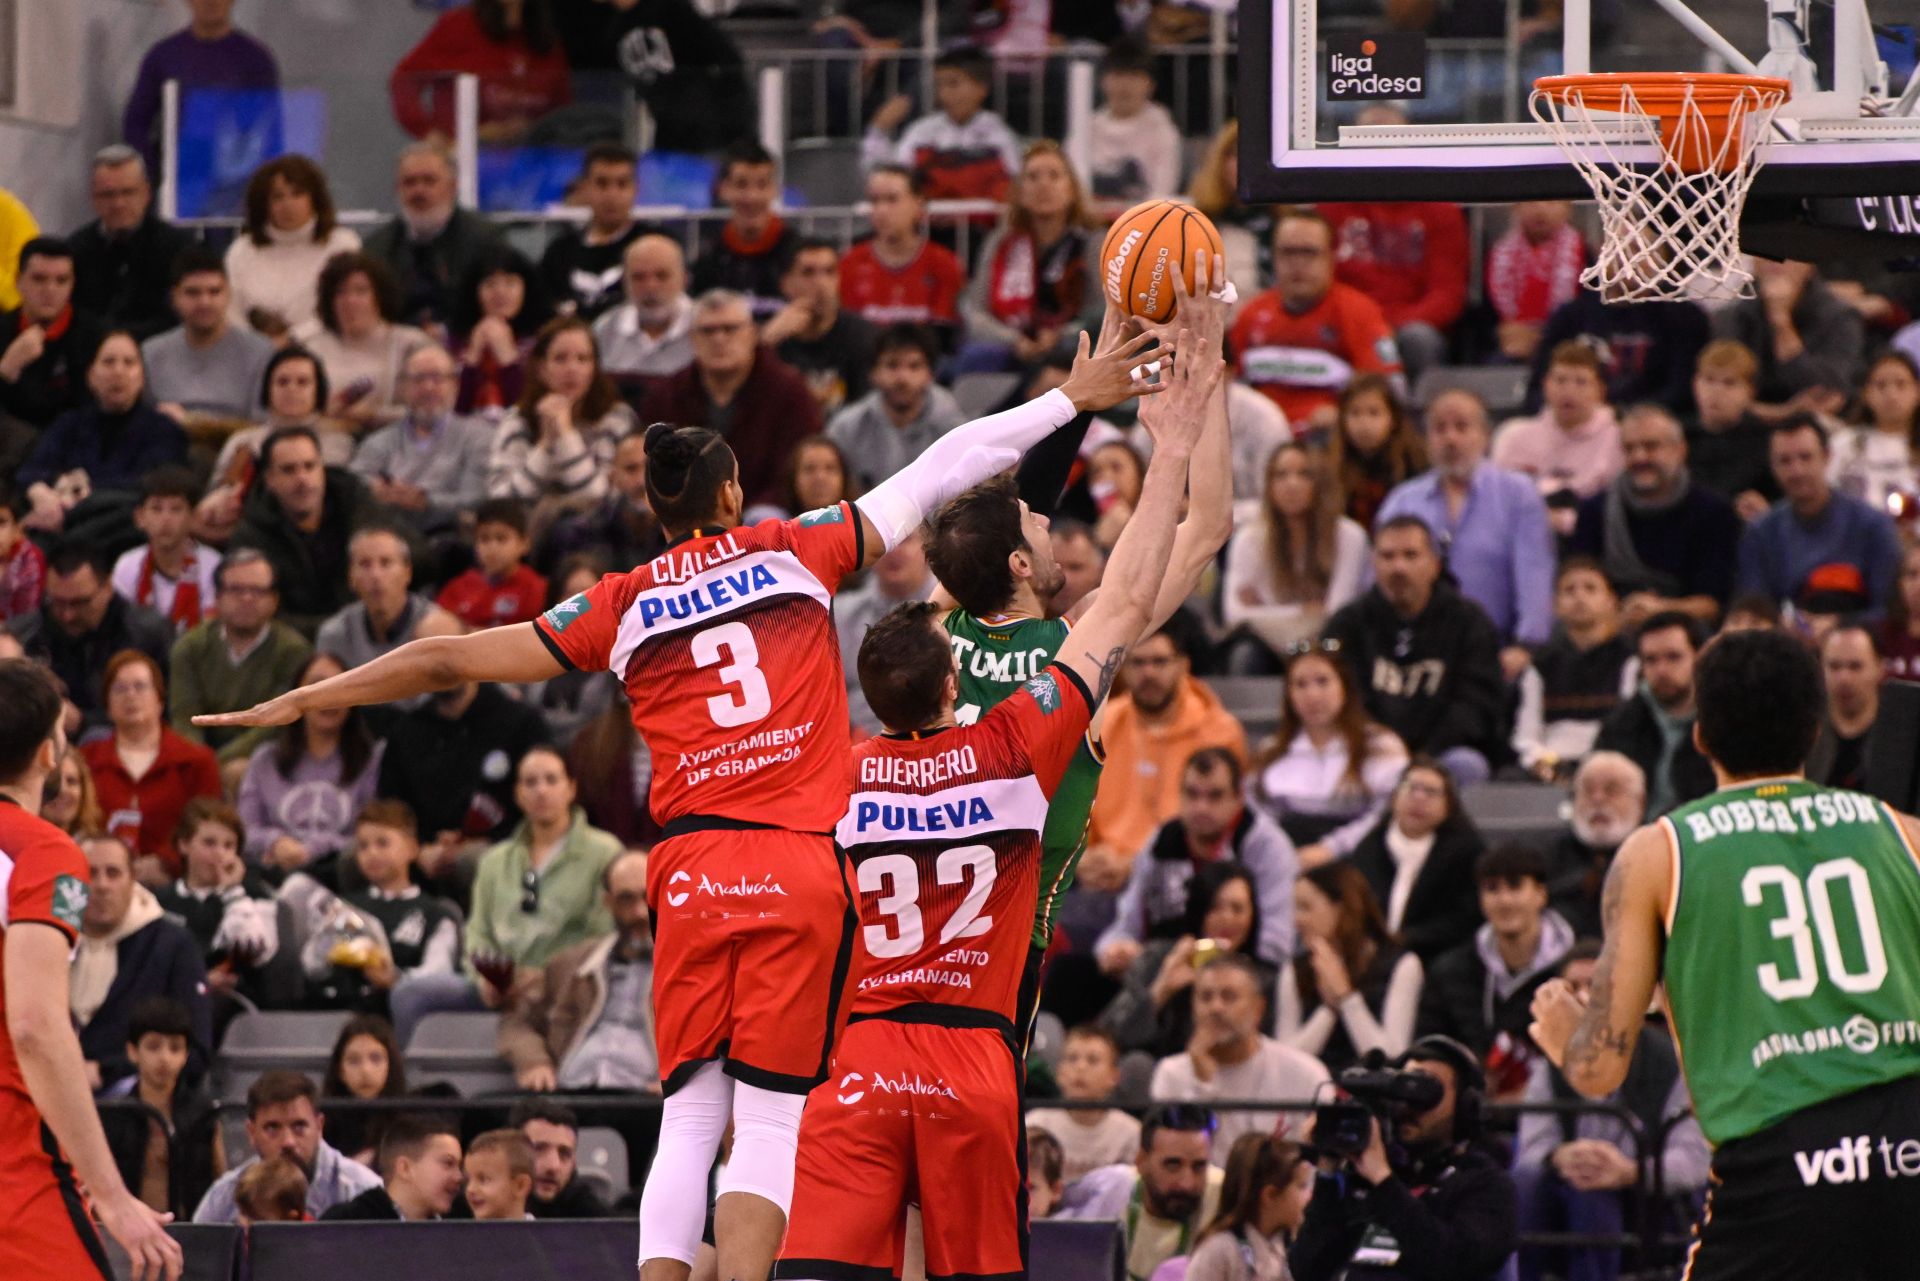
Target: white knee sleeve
(766,1134)
(673,1207)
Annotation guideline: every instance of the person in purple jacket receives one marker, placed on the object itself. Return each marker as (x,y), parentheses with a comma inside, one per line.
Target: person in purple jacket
(210,53)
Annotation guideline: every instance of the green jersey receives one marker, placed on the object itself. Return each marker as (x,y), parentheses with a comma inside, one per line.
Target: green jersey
(1793,950)
(994,660)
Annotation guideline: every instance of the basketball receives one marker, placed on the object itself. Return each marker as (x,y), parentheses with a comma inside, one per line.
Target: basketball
(1145,243)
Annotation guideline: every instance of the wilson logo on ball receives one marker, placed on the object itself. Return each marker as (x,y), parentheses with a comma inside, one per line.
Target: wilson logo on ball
(1117,265)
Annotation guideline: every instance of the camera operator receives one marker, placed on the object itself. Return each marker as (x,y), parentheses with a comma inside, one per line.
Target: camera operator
(1425,1201)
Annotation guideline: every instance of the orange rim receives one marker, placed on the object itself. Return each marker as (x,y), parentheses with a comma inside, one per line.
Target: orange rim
(1665,96)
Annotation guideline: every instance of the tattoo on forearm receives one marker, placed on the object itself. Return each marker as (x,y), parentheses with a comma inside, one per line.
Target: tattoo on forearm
(1108,666)
(1596,1037)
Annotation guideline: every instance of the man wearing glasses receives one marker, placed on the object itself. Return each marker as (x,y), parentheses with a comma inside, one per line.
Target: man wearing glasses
(239,655)
(432,464)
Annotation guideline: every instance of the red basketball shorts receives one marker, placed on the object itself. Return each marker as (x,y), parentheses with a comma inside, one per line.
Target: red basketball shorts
(911,1113)
(753,939)
(46,1234)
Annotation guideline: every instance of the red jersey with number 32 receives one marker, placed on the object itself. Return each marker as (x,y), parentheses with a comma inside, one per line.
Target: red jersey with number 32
(43,879)
(725,643)
(944,833)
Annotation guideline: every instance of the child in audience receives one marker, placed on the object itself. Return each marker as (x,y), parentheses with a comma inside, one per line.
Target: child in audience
(1727,443)
(499,1175)
(23,566)
(366,1064)
(1874,459)
(1578,676)
(1373,447)
(271,1192)
(1531,270)
(399,930)
(1045,1163)
(501,589)
(750,253)
(962,151)
(226,905)
(167,1155)
(172,574)
(1089,1138)
(1133,146)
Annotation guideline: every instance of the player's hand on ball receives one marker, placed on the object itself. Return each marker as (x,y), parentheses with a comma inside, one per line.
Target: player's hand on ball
(1203,317)
(1101,380)
(1176,420)
(1557,1011)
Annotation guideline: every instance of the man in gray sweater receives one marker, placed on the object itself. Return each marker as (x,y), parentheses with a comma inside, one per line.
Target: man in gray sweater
(432,464)
(905,412)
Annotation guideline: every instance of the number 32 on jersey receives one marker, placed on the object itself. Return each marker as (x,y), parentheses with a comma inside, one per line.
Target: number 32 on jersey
(896,878)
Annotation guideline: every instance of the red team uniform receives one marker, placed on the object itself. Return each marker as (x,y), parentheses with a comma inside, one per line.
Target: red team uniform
(1301,362)
(923,1102)
(924,292)
(45,1232)
(726,646)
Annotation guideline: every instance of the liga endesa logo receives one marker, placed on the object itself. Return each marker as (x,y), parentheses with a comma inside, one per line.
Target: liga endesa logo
(1376,68)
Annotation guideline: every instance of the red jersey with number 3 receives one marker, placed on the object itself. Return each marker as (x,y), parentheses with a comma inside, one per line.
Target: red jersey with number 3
(725,643)
(43,880)
(944,833)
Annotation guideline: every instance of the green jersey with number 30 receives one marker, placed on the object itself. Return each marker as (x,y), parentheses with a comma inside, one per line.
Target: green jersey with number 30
(1793,950)
(994,659)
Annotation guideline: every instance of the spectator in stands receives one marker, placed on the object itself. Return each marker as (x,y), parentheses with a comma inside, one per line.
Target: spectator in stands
(1809,342)
(571,701)
(1533,269)
(430,245)
(621,530)
(1574,1170)
(651,333)
(1212,826)
(74,808)
(685,67)
(1727,443)
(900,575)
(128,951)
(1817,534)
(81,623)
(584,1020)
(1573,445)
(1654,729)
(164,1148)
(1326,774)
(1089,1137)
(1850,660)
(905,412)
(230,911)
(962,151)
(1245,230)
(499,1170)
(359,344)
(239,655)
(1230,1058)
(501,305)
(284,1121)
(1578,677)
(898,275)
(293,393)
(1419,862)
(145,773)
(210,53)
(1116,473)
(1646,349)
(414,934)
(366,1063)
(1351,988)
(386,612)
(1046,1173)
(1035,280)
(271,1192)
(833,349)
(1152,730)
(513,46)
(1256,428)
(1609,801)
(170,574)
(1133,147)
(1899,638)
(740,389)
(23,566)
(209,367)
(1081,560)
(17,227)
(305,784)
(1432,657)
(123,261)
(1269,1185)
(750,251)
(46,345)
(1874,459)
(816,474)
(553,1132)
(1410,257)
(1374,446)
(1167,1194)
(1302,340)
(553,450)
(1481,993)
(500,588)
(582,267)
(289,234)
(1300,562)
(420,1159)
(430,465)
(1665,542)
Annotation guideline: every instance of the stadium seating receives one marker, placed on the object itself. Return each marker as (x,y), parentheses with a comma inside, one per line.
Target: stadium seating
(602,1158)
(460,1050)
(299,1040)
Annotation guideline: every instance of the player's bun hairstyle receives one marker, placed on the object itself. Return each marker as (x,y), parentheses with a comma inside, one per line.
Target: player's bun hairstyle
(1760,698)
(970,541)
(904,661)
(29,708)
(687,467)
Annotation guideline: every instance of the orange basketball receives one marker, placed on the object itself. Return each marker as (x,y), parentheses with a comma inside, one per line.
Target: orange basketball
(1145,245)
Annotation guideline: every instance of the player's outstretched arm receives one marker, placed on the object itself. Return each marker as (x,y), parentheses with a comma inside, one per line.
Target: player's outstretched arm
(987,446)
(43,1039)
(421,666)
(1591,1040)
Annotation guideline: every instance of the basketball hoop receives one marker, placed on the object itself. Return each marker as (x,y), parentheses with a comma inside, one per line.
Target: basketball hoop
(1669,230)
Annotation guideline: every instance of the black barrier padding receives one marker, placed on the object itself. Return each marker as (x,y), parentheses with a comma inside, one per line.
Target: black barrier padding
(209,1250)
(1067,1250)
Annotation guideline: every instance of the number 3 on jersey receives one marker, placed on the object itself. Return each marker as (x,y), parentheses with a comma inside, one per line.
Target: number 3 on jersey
(734,641)
(896,878)
(1792,924)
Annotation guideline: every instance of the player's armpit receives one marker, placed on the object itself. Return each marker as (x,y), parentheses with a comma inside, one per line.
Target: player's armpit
(1631,910)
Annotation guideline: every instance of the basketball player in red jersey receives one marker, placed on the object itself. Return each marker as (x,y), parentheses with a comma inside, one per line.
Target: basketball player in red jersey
(726,647)
(48,1127)
(944,830)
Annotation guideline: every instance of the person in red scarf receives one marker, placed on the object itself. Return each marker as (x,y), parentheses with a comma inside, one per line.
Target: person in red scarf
(171,574)
(750,254)
(1531,270)
(1035,278)
(511,45)
(45,345)
(144,772)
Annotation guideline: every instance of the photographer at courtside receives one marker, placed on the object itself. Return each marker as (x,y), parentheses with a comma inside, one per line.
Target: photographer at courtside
(1425,1200)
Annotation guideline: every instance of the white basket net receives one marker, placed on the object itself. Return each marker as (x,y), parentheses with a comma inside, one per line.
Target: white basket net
(1669,230)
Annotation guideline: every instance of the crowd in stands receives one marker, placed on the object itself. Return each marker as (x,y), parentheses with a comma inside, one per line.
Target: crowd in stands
(226,474)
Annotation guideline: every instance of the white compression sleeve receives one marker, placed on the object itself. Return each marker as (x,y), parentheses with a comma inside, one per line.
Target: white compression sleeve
(958,461)
(673,1208)
(766,1134)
